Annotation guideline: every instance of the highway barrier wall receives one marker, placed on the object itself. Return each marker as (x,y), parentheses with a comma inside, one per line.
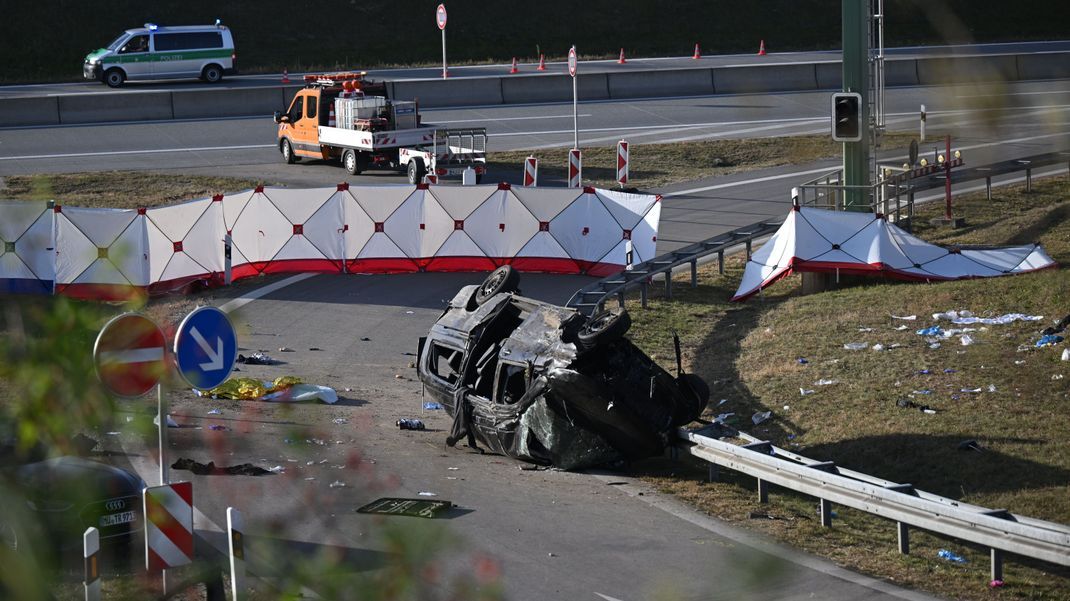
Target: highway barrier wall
(202,102)
(111,254)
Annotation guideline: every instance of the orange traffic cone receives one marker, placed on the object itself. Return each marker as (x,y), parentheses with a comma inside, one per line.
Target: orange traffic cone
(698,53)
(542,63)
(621,61)
(514,69)
(761,48)
(285,76)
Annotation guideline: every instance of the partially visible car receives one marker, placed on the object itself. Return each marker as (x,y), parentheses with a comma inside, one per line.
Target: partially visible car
(549,385)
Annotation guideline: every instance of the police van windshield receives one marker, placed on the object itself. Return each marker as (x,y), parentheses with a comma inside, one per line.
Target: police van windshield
(117,43)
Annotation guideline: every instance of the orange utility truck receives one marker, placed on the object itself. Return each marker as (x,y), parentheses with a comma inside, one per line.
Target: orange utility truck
(343,116)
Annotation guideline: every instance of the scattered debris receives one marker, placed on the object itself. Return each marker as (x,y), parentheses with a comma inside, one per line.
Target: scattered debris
(314,348)
(923,391)
(970,445)
(966,317)
(217,427)
(211,469)
(340,420)
(285,349)
(722,418)
(432,406)
(757,515)
(856,346)
(995,584)
(278,469)
(215,412)
(905,317)
(761,416)
(338,484)
(1058,327)
(900,328)
(909,404)
(417,508)
(408,423)
(170,422)
(257,358)
(722,402)
(426,493)
(804,391)
(1049,340)
(365,339)
(966,340)
(950,556)
(802,361)
(826,382)
(284,389)
(949,371)
(1057,377)
(865,329)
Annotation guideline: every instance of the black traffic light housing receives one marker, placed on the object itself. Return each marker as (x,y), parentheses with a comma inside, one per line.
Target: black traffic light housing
(847,117)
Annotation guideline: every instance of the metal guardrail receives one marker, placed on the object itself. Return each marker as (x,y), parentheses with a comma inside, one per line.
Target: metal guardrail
(997,529)
(592,297)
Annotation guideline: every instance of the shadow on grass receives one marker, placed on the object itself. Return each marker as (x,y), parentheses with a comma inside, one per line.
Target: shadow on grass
(936,464)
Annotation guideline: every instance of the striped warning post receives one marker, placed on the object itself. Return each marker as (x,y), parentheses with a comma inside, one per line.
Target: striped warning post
(237,554)
(168,526)
(622,162)
(531,172)
(91,554)
(575,168)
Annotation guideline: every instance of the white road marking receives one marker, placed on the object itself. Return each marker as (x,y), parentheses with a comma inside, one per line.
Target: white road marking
(139,355)
(606,597)
(509,119)
(127,152)
(261,292)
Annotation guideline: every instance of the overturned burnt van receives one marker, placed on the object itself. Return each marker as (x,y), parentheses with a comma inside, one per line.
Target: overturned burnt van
(547,384)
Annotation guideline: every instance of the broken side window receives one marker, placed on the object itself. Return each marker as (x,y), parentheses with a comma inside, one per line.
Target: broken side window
(512,383)
(446,363)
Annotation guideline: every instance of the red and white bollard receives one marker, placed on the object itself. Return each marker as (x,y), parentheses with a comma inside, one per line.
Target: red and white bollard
(575,168)
(622,162)
(236,546)
(531,172)
(91,554)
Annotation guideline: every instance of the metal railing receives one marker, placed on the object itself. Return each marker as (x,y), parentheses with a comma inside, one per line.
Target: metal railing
(592,297)
(998,529)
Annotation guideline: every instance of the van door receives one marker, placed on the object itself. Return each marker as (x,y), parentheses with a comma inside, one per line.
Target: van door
(135,58)
(185,54)
(304,116)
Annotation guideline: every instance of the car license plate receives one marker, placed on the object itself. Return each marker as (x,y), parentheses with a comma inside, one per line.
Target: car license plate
(117,518)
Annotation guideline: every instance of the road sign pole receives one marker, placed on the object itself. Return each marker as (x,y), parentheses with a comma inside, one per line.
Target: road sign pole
(440,20)
(856,173)
(161,412)
(575,117)
(444,72)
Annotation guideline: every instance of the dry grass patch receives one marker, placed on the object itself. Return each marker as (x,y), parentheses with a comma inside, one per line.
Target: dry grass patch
(1021,417)
(118,189)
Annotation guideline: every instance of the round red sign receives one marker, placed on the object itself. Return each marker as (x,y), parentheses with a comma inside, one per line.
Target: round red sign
(440,16)
(572,61)
(130,355)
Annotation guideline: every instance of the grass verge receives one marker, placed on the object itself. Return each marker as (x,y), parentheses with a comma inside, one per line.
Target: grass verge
(750,354)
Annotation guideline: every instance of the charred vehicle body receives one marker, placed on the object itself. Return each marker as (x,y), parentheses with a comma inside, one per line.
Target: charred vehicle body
(547,384)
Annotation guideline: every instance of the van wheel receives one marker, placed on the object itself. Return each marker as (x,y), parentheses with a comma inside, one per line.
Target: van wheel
(503,279)
(212,74)
(604,327)
(287,152)
(352,162)
(416,171)
(114,78)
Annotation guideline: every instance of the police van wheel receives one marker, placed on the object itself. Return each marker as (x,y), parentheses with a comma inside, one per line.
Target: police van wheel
(212,74)
(114,78)
(287,152)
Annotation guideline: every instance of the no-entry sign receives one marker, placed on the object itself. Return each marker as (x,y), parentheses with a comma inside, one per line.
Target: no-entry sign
(129,355)
(572,61)
(440,16)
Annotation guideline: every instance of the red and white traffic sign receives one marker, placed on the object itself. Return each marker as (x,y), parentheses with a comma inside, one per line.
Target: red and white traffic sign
(622,162)
(575,168)
(168,526)
(572,61)
(129,355)
(531,171)
(440,16)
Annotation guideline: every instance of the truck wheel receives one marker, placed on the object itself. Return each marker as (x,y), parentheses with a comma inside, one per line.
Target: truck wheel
(416,171)
(287,152)
(603,328)
(351,163)
(503,279)
(212,74)
(114,77)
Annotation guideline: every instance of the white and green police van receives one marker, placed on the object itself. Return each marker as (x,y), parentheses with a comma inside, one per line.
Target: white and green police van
(154,52)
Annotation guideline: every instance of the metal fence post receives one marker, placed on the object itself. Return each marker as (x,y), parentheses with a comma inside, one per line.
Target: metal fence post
(748,249)
(988,187)
(904,538)
(825,509)
(720,262)
(763,491)
(694,273)
(642,294)
(1028,180)
(996,567)
(668,284)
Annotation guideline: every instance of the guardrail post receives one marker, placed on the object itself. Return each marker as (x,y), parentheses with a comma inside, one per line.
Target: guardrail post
(720,262)
(694,273)
(763,491)
(668,284)
(988,187)
(620,299)
(904,537)
(642,294)
(714,472)
(996,569)
(825,509)
(748,249)
(1028,180)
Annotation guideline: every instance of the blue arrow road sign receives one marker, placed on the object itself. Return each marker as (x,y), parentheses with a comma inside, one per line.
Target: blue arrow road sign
(205,348)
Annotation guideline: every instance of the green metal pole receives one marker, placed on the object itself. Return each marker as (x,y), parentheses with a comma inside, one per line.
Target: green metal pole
(856,79)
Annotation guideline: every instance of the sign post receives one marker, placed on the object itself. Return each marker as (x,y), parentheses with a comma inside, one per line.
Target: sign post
(440,18)
(575,117)
(129,358)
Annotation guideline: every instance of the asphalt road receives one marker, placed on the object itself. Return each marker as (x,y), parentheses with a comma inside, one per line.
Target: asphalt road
(555,535)
(585,66)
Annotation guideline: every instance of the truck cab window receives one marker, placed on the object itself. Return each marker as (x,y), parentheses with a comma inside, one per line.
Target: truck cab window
(310,109)
(296,108)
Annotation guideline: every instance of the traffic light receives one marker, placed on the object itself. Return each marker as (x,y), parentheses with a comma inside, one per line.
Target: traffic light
(847,117)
